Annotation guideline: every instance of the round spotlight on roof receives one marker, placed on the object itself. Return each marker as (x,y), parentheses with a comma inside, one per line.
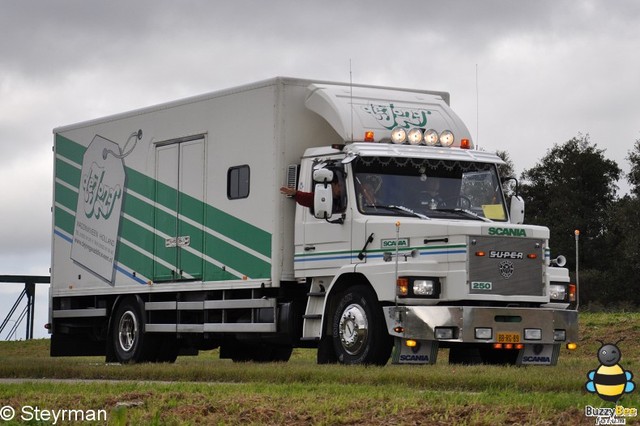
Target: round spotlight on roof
(398,135)
(415,136)
(431,137)
(446,138)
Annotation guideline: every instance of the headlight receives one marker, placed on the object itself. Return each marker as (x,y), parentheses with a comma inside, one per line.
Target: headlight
(483,333)
(444,333)
(558,292)
(428,287)
(423,287)
(398,135)
(532,334)
(559,335)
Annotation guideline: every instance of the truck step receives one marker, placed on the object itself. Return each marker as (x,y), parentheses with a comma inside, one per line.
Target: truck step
(316,294)
(312,316)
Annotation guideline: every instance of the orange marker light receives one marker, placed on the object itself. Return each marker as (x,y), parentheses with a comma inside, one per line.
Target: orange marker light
(465,144)
(532,256)
(572,292)
(402,286)
(368,136)
(481,254)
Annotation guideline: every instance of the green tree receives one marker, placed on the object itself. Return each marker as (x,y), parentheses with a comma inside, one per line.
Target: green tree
(573,187)
(623,239)
(623,235)
(506,170)
(634,175)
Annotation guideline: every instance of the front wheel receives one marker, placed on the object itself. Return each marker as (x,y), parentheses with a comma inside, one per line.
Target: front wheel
(359,329)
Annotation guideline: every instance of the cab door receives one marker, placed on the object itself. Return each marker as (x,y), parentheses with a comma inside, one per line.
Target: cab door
(326,243)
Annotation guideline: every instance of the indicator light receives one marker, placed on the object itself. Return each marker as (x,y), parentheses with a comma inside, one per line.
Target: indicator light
(411,343)
(402,286)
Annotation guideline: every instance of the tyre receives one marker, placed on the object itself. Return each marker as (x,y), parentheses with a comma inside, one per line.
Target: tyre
(359,329)
(127,332)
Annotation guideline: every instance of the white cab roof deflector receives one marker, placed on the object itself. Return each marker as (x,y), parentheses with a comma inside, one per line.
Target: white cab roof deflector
(353,110)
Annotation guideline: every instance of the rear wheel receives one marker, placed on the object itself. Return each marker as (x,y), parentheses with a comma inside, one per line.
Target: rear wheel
(359,329)
(127,332)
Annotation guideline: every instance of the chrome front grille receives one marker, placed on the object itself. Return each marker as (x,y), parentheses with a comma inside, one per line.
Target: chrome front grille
(507,266)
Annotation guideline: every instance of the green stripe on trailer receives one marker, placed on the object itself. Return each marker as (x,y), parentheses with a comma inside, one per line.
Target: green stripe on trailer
(66,197)
(142,222)
(64,220)
(69,149)
(67,173)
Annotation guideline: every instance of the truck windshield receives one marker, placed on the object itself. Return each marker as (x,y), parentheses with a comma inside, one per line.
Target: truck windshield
(428,188)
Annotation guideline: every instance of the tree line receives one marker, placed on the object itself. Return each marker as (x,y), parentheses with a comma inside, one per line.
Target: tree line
(574,187)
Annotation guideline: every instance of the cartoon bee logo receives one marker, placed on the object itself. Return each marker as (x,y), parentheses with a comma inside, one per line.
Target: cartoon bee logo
(610,380)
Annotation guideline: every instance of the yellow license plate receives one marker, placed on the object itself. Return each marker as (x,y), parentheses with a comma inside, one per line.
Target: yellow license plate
(508,338)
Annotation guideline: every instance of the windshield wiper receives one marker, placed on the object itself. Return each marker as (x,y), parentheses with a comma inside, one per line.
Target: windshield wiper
(398,208)
(468,213)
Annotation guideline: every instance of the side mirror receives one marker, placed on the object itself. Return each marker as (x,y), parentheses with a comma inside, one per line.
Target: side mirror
(516,210)
(322,176)
(322,199)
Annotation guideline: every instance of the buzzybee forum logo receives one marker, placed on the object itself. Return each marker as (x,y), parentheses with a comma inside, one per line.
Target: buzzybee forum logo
(610,381)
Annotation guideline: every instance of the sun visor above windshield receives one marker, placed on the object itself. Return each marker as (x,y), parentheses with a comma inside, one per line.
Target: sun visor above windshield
(352,111)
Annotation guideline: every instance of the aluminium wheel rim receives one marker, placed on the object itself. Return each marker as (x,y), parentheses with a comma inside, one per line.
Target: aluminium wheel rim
(127,331)
(353,329)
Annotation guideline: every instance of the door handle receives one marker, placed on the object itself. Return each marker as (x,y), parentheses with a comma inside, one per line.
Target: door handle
(309,248)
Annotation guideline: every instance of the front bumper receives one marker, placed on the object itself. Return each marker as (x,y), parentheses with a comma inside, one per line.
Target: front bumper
(421,322)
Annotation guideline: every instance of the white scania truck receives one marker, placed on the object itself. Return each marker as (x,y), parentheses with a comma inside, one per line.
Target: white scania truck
(170,234)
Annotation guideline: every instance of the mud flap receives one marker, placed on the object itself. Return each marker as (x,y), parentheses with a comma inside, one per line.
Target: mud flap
(424,352)
(539,354)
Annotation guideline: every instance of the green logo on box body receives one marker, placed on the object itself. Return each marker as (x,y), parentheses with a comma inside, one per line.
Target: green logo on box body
(508,232)
(391,116)
(99,198)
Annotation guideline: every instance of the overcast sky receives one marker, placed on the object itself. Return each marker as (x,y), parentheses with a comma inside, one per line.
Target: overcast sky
(523,75)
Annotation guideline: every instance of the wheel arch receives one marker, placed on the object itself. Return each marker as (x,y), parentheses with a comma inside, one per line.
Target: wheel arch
(339,285)
(121,298)
(109,350)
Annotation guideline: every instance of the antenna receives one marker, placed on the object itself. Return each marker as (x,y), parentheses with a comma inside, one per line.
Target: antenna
(477,111)
(351,96)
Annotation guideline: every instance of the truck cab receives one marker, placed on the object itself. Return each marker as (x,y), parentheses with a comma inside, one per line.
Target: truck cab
(419,232)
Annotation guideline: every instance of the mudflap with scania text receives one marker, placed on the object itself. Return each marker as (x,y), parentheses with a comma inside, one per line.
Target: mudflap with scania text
(539,354)
(416,352)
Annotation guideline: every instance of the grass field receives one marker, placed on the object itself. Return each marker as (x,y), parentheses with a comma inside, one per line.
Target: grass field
(207,390)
